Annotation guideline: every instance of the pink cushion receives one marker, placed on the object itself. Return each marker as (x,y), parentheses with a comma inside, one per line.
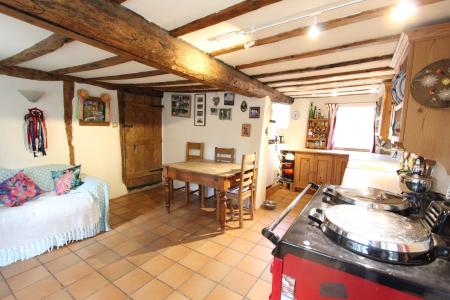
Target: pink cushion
(17,190)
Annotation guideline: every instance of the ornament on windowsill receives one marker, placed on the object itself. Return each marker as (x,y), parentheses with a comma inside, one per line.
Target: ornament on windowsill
(36,131)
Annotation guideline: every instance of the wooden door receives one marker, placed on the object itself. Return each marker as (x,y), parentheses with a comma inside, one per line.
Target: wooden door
(340,164)
(323,166)
(303,170)
(141,139)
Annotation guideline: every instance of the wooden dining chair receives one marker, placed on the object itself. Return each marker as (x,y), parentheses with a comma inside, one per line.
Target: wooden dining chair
(194,152)
(245,189)
(225,155)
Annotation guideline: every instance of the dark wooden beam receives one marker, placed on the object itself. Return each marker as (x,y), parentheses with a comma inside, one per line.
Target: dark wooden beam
(333,81)
(48,45)
(69,93)
(184,88)
(365,43)
(325,67)
(344,21)
(107,62)
(222,15)
(163,83)
(331,75)
(196,91)
(132,75)
(112,27)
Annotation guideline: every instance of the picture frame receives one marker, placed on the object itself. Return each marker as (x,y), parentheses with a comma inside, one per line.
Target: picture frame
(216,100)
(200,110)
(228,99)
(225,114)
(181,105)
(254,112)
(93,111)
(214,111)
(246,130)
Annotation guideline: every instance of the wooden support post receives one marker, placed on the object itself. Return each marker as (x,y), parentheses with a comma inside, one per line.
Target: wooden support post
(69,92)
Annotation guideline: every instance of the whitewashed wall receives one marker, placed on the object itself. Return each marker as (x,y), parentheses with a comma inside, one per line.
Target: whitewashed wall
(96,148)
(217,133)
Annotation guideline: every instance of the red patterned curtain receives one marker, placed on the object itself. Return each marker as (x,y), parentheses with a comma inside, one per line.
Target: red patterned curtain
(332,112)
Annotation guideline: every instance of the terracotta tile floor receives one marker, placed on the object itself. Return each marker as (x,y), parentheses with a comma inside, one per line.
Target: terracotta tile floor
(152,255)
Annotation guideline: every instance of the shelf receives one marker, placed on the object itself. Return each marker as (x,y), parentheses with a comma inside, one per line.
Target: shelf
(318,120)
(316,139)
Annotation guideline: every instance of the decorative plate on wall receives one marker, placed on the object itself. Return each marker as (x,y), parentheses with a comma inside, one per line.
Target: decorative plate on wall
(398,87)
(244,106)
(431,86)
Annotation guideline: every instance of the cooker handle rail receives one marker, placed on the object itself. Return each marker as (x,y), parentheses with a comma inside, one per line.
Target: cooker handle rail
(268,232)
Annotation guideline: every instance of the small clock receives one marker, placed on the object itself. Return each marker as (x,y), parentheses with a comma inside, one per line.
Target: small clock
(295,115)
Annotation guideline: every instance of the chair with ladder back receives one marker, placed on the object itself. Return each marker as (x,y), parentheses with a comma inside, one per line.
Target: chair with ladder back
(245,189)
(194,152)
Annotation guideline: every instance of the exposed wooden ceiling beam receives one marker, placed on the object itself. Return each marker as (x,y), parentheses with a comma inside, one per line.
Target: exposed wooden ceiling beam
(365,43)
(331,75)
(132,75)
(347,20)
(330,95)
(222,15)
(349,88)
(184,88)
(32,74)
(109,26)
(164,83)
(325,67)
(48,45)
(197,91)
(367,80)
(107,62)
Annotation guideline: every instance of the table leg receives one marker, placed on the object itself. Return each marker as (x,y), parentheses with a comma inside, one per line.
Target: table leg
(187,191)
(169,200)
(222,208)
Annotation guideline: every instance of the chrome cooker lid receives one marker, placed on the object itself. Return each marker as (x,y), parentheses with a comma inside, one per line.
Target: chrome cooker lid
(377,229)
(373,198)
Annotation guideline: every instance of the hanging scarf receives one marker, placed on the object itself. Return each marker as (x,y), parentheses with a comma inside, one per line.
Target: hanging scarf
(36,131)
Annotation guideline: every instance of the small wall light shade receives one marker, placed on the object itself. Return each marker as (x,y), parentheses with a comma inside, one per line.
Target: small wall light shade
(32,95)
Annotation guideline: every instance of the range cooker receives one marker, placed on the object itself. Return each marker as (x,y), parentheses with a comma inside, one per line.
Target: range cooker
(314,260)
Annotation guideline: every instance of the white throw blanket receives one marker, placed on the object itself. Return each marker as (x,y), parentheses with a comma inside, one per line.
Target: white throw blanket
(49,220)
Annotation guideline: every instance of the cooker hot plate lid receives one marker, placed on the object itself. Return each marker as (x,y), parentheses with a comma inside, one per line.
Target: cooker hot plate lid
(373,198)
(377,229)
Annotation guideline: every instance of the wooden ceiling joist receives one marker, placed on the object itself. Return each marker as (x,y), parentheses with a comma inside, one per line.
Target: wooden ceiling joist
(132,75)
(165,83)
(325,67)
(347,20)
(368,79)
(104,63)
(111,27)
(365,43)
(331,75)
(48,45)
(338,88)
(181,88)
(331,95)
(222,15)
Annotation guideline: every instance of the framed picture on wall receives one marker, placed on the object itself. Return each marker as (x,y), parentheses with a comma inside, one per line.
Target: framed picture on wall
(225,114)
(181,105)
(246,129)
(93,111)
(254,112)
(228,99)
(200,110)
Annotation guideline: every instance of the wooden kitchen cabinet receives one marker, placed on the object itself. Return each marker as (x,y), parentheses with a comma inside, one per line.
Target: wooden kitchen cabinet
(318,168)
(424,130)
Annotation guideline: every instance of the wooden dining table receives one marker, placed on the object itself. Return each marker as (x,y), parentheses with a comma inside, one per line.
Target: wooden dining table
(218,175)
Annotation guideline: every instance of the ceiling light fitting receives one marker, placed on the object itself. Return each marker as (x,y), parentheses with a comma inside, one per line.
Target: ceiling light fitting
(308,14)
(314,30)
(403,10)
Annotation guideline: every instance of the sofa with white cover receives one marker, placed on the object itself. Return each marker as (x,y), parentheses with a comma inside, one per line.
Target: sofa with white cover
(51,220)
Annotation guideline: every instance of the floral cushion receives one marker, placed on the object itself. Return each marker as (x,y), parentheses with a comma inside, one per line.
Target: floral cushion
(18,189)
(67,180)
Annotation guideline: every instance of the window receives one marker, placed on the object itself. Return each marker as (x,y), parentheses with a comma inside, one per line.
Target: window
(354,127)
(280,113)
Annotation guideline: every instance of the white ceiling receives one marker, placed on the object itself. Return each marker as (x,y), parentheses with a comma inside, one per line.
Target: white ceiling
(170,14)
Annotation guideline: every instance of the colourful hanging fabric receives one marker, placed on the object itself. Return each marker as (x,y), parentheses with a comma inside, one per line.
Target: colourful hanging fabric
(36,131)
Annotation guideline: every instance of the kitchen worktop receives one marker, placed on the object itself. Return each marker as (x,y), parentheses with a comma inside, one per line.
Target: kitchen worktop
(431,281)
